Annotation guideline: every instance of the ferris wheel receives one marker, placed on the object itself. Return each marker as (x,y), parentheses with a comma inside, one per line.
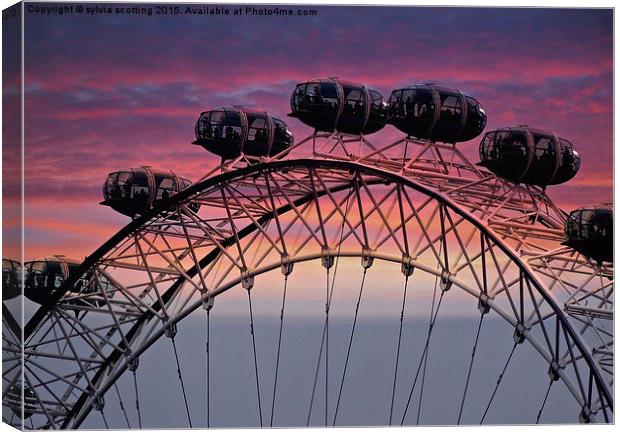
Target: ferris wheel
(410,230)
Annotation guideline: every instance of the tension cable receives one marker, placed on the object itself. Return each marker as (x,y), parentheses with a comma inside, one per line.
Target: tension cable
(499,380)
(400,333)
(471,363)
(275,381)
(346,362)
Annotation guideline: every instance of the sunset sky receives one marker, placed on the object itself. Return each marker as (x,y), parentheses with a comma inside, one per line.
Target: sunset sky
(110,92)
(105,92)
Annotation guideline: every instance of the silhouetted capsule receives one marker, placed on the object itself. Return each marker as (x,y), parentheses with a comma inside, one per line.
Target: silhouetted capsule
(427,111)
(589,230)
(134,191)
(11,278)
(44,276)
(531,156)
(230,131)
(332,105)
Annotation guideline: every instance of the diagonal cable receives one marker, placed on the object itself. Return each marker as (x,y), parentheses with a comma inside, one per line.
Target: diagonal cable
(400,333)
(428,337)
(544,402)
(426,356)
(105,421)
(120,400)
(471,363)
(208,367)
(260,409)
(176,357)
(275,381)
(135,386)
(346,362)
(325,335)
(499,380)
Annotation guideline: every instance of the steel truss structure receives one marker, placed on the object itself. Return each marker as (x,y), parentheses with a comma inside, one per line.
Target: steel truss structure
(420,204)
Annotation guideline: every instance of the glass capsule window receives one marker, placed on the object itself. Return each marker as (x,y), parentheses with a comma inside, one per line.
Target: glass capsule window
(423,109)
(394,104)
(378,111)
(298,100)
(476,119)
(140,187)
(450,108)
(328,96)
(573,225)
(258,130)
(544,149)
(123,185)
(319,96)
(585,227)
(487,146)
(376,101)
(502,147)
(283,137)
(414,111)
(165,185)
(11,278)
(117,185)
(569,162)
(353,115)
(567,154)
(110,188)
(232,130)
(354,101)
(203,126)
(407,103)
(505,152)
(45,275)
(520,144)
(216,125)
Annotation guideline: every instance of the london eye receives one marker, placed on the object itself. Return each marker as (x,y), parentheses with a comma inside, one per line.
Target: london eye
(265,239)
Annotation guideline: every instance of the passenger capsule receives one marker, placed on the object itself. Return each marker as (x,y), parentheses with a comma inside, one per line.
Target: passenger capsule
(589,230)
(13,399)
(531,156)
(335,105)
(230,131)
(45,276)
(428,111)
(134,191)
(11,279)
